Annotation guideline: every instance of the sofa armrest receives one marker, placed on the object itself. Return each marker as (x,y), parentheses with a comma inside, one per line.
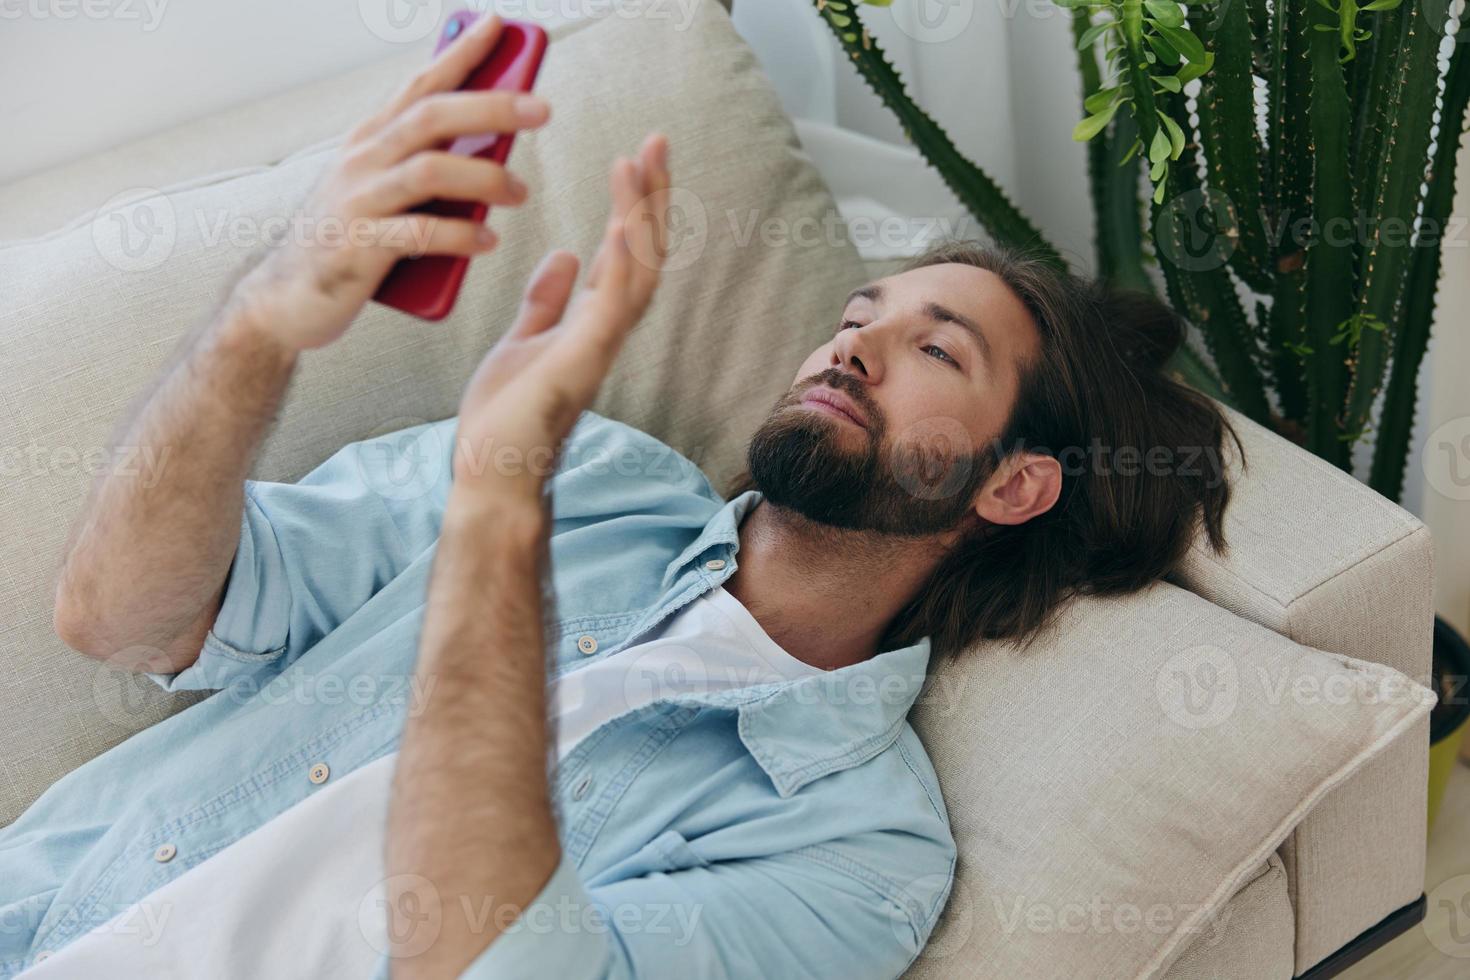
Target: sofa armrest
(1323,559)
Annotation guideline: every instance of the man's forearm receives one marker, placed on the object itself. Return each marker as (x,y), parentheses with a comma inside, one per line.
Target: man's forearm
(149,555)
(471,810)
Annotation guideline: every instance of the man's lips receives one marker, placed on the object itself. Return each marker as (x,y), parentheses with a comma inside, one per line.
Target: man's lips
(835,403)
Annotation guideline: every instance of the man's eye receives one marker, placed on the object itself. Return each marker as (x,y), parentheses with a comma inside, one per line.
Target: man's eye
(943,354)
(843,325)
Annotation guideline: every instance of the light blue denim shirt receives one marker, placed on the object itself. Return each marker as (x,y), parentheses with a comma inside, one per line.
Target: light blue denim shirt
(792,828)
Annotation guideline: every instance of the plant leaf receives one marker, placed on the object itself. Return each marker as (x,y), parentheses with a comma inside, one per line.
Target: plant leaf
(1090,36)
(1192,71)
(1161,148)
(1162,48)
(1165,12)
(1100,100)
(1093,124)
(1176,136)
(1183,41)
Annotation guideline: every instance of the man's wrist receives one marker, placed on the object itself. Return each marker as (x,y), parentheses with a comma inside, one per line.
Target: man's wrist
(509,514)
(244,326)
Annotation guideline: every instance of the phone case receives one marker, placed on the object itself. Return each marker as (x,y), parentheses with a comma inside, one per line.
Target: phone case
(427,286)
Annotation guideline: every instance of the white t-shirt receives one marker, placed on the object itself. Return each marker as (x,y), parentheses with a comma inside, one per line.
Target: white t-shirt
(713,643)
(306,888)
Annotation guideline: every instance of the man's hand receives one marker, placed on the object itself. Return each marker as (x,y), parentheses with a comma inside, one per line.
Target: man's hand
(534,383)
(356,223)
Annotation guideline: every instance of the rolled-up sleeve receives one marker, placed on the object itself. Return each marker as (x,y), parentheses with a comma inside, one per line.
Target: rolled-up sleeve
(312,553)
(804,913)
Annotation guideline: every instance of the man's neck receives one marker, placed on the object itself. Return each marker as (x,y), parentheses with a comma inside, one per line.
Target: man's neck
(826,595)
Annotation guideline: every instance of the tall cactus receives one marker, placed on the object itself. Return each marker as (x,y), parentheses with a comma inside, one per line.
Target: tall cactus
(1312,319)
(971,184)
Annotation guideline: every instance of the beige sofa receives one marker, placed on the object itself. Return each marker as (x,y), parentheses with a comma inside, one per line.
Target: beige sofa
(1317,559)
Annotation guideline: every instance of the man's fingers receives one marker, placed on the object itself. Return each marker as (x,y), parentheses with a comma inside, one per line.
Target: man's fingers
(546,295)
(432,174)
(429,234)
(647,223)
(449,70)
(610,271)
(444,116)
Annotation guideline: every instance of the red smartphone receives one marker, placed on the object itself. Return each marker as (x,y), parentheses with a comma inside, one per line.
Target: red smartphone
(426,286)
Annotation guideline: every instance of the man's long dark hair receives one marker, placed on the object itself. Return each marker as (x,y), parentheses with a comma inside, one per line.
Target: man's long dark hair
(1100,399)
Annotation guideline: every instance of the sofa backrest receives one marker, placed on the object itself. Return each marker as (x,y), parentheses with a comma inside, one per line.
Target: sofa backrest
(86,324)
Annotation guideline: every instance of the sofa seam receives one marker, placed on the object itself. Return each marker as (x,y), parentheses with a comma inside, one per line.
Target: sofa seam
(1329,579)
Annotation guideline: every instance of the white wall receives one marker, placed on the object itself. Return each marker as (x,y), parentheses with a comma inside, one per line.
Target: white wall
(83,75)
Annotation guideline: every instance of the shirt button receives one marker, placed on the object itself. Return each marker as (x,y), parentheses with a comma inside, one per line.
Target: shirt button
(587,643)
(165,853)
(715,564)
(318,773)
(582,787)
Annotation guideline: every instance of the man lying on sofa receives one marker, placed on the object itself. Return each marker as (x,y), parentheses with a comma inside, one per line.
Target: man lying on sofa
(649,732)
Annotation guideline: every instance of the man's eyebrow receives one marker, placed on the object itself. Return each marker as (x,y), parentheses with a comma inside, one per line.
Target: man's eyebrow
(934,311)
(944,314)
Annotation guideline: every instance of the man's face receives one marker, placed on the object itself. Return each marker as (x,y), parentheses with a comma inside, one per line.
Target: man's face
(929,363)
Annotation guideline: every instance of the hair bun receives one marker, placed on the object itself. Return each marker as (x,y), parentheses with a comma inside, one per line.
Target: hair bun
(1148,332)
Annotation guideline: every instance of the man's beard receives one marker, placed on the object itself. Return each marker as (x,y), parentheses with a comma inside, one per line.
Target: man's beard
(798,460)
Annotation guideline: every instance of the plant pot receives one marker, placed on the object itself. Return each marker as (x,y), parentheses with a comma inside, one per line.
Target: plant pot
(1450,719)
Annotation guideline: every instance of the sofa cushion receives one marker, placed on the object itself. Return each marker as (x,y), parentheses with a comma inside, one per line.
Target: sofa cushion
(85,324)
(1113,786)
(1252,936)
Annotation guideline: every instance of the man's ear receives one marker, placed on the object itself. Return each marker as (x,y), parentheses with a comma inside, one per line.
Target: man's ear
(1023,486)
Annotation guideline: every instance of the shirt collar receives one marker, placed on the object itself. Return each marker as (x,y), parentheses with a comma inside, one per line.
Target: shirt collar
(799,730)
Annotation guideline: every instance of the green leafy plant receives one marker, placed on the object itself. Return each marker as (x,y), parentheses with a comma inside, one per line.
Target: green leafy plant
(1303,243)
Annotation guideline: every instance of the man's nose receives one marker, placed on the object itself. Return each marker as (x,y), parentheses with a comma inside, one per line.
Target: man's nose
(858,354)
